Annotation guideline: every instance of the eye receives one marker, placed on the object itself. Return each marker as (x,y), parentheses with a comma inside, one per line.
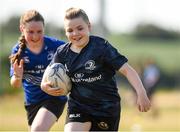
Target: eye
(30,32)
(80,29)
(40,31)
(69,30)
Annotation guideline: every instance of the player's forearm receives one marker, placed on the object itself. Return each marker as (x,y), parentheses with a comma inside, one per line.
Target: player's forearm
(133,78)
(135,81)
(16,82)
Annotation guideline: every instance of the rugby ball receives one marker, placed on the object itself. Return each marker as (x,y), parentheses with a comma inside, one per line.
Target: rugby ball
(56,75)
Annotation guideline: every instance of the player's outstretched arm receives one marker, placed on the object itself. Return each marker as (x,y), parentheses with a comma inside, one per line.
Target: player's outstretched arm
(142,100)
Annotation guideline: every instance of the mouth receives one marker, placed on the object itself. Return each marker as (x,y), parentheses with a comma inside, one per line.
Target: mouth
(35,41)
(77,38)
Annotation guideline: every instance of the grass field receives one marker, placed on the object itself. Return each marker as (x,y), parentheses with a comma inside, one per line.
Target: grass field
(13,116)
(163,51)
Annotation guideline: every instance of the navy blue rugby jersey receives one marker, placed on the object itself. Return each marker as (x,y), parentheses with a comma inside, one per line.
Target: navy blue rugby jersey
(34,67)
(92,71)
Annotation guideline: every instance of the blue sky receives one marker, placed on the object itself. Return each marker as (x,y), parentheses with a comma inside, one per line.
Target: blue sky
(120,15)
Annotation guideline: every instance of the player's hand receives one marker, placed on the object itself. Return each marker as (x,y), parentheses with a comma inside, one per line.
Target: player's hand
(18,68)
(143,103)
(47,87)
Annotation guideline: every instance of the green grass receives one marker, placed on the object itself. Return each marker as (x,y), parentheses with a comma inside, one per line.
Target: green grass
(165,52)
(13,116)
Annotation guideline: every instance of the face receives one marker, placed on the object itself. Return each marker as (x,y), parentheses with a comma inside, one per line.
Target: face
(33,32)
(77,31)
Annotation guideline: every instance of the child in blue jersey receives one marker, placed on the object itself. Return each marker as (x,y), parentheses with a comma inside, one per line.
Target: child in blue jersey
(91,62)
(29,58)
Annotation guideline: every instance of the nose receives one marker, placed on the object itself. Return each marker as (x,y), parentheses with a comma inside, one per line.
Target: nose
(35,36)
(75,33)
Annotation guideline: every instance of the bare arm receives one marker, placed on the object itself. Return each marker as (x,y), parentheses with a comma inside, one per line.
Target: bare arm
(133,78)
(48,87)
(16,79)
(16,82)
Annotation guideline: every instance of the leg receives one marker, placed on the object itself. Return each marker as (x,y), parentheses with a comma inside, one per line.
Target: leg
(43,120)
(77,126)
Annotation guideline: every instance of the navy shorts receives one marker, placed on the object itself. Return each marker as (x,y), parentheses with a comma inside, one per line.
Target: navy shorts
(99,123)
(55,106)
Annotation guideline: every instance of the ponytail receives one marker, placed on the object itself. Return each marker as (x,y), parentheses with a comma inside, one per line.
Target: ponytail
(22,46)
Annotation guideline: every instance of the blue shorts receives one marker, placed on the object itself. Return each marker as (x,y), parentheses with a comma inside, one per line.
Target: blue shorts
(55,106)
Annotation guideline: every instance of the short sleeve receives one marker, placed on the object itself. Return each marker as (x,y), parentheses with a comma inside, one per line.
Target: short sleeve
(59,55)
(113,58)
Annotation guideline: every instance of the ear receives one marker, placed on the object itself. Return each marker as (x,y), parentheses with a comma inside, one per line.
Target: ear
(89,26)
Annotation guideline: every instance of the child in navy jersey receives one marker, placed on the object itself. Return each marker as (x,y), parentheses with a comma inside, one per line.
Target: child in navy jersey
(29,58)
(91,62)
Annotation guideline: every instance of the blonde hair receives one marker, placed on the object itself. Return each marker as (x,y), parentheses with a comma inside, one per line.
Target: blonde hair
(31,15)
(72,13)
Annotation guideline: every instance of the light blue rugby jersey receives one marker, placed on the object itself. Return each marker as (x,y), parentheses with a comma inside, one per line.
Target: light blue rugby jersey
(34,67)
